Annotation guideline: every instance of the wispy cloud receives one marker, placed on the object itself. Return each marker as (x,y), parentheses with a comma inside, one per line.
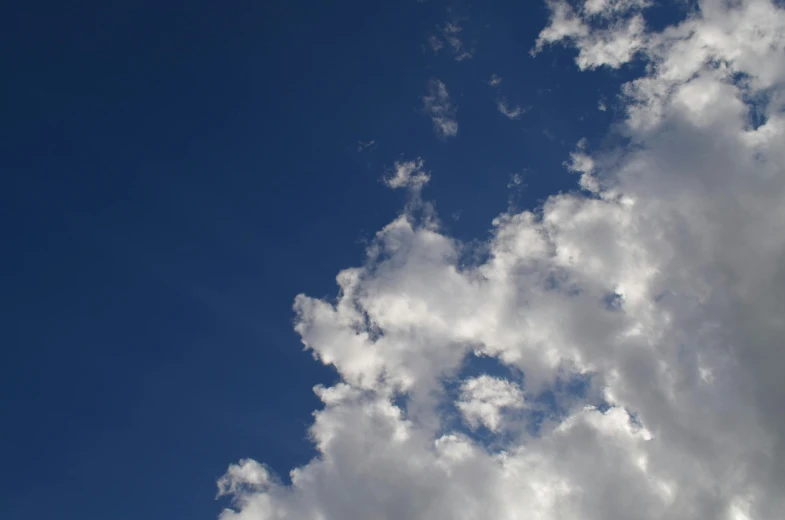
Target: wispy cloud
(366,145)
(451,33)
(439,108)
(449,36)
(508,110)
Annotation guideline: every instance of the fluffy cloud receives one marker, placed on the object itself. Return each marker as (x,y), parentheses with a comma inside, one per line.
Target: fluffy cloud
(606,32)
(660,287)
(484,399)
(440,109)
(407,174)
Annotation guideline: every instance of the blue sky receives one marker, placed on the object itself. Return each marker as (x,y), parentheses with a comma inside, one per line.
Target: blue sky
(176,174)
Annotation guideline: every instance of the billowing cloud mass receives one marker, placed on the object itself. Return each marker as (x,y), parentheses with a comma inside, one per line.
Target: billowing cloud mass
(636,325)
(440,109)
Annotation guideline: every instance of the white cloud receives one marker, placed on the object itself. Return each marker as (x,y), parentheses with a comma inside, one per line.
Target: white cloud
(366,145)
(608,8)
(450,36)
(509,111)
(438,106)
(684,227)
(435,43)
(483,400)
(516,181)
(612,43)
(407,174)
(247,476)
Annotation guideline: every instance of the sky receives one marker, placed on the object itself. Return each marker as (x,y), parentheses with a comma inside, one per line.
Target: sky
(382,260)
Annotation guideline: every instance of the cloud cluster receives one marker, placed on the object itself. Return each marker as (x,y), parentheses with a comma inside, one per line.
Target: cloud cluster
(648,309)
(606,32)
(440,109)
(450,36)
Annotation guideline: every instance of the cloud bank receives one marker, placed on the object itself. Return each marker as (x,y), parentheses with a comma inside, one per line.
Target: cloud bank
(637,325)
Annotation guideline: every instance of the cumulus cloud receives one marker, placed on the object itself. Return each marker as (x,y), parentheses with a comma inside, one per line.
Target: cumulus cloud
(606,32)
(484,399)
(440,109)
(666,403)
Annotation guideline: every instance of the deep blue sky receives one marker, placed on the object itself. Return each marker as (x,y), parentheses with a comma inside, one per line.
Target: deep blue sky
(174,173)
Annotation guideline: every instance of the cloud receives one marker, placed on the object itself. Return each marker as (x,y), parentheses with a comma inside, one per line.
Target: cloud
(407,174)
(449,36)
(509,111)
(484,399)
(366,145)
(435,43)
(679,414)
(440,109)
(606,32)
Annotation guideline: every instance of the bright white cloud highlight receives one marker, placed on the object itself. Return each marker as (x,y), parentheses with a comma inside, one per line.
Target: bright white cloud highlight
(612,43)
(681,416)
(484,399)
(439,107)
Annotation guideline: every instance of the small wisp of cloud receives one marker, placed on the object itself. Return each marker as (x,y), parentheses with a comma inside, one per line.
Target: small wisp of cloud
(449,36)
(363,146)
(439,108)
(503,105)
(508,110)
